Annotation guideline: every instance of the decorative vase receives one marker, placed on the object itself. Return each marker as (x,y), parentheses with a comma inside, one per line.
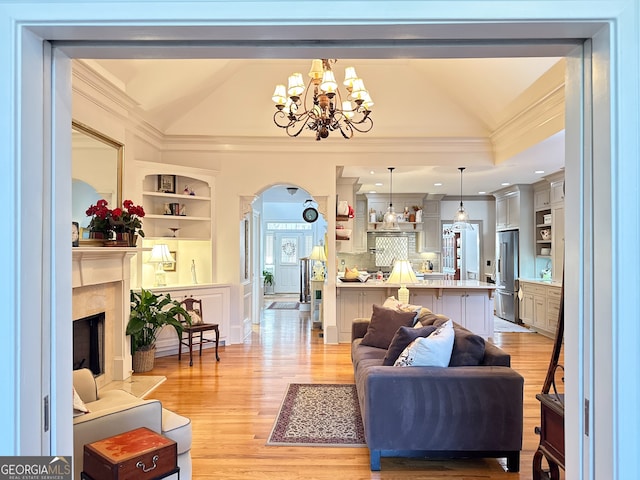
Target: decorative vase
(143,360)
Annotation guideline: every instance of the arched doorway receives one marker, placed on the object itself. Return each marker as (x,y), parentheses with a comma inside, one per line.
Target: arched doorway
(286,236)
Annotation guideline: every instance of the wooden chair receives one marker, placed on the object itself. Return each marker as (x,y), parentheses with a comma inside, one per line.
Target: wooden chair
(188,332)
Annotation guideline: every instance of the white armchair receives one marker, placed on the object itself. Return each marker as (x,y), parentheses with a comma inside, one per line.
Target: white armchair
(117,411)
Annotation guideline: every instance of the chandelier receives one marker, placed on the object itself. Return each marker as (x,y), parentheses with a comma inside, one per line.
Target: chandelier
(324,110)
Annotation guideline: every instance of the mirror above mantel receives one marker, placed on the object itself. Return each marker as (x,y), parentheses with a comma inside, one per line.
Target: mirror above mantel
(97,165)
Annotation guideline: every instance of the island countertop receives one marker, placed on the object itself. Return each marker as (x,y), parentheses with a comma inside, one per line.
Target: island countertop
(467,302)
(439,284)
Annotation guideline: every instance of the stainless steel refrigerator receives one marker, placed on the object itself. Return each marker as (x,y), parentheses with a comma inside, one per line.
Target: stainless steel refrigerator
(506,302)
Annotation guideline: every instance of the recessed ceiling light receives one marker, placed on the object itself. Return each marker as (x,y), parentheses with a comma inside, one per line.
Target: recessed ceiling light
(539,171)
(437,184)
(378,184)
(372,191)
(504,184)
(372,172)
(481,193)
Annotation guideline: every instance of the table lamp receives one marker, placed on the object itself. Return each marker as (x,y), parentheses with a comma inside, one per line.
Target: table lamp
(318,255)
(402,273)
(160,255)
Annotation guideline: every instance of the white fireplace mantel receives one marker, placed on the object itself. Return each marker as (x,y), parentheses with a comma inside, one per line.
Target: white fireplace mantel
(108,266)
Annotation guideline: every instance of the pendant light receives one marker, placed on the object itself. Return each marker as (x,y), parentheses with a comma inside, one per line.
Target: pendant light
(461,217)
(390,219)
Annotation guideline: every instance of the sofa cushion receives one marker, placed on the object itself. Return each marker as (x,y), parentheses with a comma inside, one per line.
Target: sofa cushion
(432,351)
(468,349)
(402,338)
(384,324)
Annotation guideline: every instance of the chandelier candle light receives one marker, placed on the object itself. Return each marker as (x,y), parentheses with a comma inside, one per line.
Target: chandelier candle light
(327,111)
(402,274)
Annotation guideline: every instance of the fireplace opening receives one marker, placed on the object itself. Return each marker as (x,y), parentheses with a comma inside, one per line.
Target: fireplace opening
(88,343)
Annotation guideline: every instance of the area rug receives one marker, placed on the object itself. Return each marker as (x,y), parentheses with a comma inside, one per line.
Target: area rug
(503,326)
(319,415)
(283,306)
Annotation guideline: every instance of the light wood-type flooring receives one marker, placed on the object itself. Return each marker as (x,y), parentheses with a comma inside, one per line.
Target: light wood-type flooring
(232,405)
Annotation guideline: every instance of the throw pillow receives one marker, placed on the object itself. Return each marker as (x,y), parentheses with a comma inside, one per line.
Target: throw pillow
(383,326)
(394,304)
(196,319)
(431,318)
(468,349)
(79,407)
(432,351)
(403,337)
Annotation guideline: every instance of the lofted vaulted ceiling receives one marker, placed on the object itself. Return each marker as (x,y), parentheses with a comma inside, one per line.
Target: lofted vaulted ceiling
(452,105)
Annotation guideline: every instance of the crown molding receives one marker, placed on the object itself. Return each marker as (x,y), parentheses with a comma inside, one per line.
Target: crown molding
(539,121)
(361,145)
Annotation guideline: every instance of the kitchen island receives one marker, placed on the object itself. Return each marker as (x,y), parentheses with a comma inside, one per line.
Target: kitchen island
(467,302)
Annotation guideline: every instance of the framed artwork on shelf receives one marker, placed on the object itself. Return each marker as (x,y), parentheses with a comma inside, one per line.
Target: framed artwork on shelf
(167,183)
(171,266)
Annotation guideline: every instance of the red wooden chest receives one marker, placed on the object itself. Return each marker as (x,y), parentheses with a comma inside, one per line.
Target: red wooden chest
(139,454)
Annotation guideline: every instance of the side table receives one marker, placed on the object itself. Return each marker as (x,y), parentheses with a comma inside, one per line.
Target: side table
(139,454)
(551,437)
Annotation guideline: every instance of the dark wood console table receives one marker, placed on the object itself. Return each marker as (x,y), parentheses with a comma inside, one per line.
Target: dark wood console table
(551,428)
(551,437)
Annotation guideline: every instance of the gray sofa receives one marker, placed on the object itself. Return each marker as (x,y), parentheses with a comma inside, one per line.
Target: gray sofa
(435,412)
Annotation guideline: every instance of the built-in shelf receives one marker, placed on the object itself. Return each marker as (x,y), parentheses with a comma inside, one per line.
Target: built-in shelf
(174,196)
(375,224)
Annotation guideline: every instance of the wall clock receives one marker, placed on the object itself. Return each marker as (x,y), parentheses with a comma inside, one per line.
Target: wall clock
(310,214)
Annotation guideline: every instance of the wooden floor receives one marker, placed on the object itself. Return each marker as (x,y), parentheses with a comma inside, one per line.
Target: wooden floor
(233,404)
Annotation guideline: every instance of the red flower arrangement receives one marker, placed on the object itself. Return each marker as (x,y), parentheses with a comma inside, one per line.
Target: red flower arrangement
(101,213)
(127,218)
(121,220)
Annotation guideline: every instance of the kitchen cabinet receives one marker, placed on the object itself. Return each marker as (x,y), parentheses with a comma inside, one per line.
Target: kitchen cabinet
(469,308)
(355,303)
(424,298)
(550,220)
(431,226)
(544,232)
(557,239)
(541,198)
(432,234)
(359,234)
(540,305)
(557,191)
(451,255)
(508,212)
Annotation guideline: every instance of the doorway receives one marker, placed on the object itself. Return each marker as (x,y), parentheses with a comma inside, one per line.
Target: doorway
(34,229)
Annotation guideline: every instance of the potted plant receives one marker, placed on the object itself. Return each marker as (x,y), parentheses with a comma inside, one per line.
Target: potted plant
(149,313)
(268,281)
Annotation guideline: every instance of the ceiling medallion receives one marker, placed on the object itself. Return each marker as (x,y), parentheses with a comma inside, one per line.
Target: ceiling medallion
(323,111)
